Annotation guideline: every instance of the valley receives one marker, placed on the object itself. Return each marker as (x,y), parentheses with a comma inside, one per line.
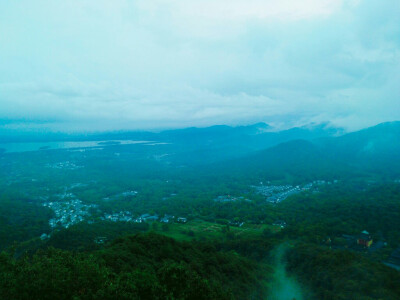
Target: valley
(111,202)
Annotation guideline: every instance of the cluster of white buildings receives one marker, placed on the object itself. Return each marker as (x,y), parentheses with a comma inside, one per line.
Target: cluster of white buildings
(68,213)
(229,198)
(278,193)
(66,165)
(126,216)
(124,194)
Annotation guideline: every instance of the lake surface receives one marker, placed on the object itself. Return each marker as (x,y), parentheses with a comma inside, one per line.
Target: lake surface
(24,147)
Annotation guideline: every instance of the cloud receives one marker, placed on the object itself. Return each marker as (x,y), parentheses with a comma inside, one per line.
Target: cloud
(172,63)
(240,10)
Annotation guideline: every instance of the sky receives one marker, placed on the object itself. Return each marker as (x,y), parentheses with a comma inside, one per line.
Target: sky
(94,65)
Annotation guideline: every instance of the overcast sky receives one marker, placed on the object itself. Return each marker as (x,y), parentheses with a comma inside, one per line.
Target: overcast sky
(148,64)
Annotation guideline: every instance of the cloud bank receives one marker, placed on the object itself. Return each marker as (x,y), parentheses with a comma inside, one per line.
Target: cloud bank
(150,64)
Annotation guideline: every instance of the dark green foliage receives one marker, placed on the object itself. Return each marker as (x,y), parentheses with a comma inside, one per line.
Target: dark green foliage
(53,274)
(255,248)
(21,220)
(151,252)
(144,266)
(343,209)
(341,275)
(82,236)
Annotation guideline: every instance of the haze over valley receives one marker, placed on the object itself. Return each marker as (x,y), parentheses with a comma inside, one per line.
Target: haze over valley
(180,150)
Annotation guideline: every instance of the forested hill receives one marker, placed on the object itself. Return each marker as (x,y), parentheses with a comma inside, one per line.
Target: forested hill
(142,266)
(300,159)
(372,151)
(375,149)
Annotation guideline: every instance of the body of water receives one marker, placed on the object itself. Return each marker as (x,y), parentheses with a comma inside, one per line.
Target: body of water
(24,147)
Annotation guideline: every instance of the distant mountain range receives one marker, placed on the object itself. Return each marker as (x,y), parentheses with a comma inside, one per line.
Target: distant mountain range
(262,132)
(375,150)
(216,143)
(197,145)
(313,150)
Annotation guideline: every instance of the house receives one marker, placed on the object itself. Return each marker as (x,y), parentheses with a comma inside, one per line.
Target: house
(280,223)
(100,240)
(182,220)
(236,223)
(44,236)
(148,217)
(364,239)
(167,219)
